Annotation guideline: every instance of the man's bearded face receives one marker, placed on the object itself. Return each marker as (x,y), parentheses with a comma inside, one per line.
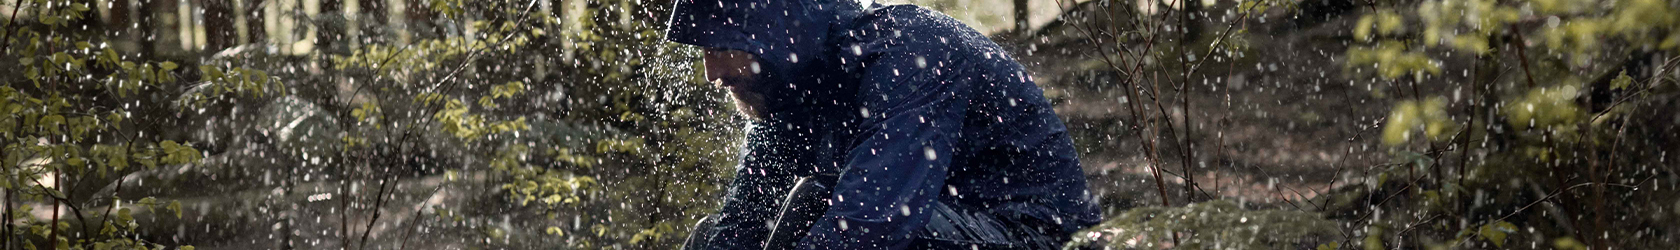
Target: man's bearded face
(737,71)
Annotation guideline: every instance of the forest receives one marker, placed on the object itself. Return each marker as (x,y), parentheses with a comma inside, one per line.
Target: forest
(573,124)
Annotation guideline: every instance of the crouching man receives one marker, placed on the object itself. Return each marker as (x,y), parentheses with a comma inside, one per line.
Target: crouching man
(881,127)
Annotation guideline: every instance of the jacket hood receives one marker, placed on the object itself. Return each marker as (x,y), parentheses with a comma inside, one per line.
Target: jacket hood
(793,40)
(784,33)
(805,91)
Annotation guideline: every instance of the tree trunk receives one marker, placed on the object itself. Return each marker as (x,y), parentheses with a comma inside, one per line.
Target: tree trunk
(119,16)
(254,21)
(420,15)
(1021,11)
(370,24)
(219,30)
(374,11)
(147,21)
(1188,20)
(330,26)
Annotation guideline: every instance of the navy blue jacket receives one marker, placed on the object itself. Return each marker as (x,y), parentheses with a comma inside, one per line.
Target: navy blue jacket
(908,106)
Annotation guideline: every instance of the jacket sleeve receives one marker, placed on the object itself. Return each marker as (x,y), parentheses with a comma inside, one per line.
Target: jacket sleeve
(912,116)
(752,199)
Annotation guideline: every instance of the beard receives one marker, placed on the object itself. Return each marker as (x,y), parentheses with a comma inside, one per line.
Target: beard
(773,97)
(749,103)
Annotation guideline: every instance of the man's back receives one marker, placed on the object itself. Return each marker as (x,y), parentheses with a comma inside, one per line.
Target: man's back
(1009,155)
(932,133)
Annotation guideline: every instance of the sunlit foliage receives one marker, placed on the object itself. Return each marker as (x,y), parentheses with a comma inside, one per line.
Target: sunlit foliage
(80,114)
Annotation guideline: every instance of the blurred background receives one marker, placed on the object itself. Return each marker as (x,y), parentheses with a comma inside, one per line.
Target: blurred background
(569,124)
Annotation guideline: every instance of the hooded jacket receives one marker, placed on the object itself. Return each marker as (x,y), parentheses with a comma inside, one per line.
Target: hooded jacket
(906,105)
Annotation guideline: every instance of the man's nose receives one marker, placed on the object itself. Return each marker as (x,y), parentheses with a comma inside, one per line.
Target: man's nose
(717,80)
(715,73)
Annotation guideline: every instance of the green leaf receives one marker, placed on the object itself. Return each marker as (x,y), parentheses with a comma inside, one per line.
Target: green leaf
(108,229)
(108,58)
(168,66)
(51,122)
(1568,243)
(1389,22)
(124,215)
(175,206)
(1374,240)
(148,202)
(211,72)
(61,58)
(49,19)
(1496,232)
(1362,28)
(1330,246)
(1622,81)
(115,119)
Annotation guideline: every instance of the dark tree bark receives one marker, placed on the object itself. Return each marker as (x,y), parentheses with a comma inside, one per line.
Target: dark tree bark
(254,21)
(1314,12)
(329,26)
(219,30)
(1191,21)
(1021,11)
(374,12)
(373,19)
(420,15)
(147,13)
(120,15)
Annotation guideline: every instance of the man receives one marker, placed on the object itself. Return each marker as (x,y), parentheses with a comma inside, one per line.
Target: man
(881,127)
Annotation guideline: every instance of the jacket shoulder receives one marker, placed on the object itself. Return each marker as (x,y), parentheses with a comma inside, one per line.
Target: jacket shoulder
(913,22)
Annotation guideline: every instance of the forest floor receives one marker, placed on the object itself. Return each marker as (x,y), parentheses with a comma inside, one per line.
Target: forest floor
(1278,125)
